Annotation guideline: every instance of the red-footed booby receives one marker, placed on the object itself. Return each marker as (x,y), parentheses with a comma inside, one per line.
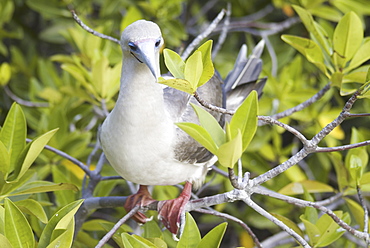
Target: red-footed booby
(139,137)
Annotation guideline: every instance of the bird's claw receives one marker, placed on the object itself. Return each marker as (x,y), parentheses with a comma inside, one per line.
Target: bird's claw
(141,198)
(170,211)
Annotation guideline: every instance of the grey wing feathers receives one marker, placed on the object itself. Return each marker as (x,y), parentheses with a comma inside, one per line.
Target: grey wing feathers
(230,94)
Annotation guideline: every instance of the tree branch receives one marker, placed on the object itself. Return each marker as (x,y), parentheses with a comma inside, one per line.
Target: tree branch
(90,30)
(109,234)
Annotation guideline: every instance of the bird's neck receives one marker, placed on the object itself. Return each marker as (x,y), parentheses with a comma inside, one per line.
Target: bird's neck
(140,95)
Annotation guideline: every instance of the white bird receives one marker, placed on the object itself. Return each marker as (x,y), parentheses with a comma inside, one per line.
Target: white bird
(139,137)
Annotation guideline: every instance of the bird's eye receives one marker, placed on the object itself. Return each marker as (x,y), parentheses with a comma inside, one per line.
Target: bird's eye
(157,43)
(132,46)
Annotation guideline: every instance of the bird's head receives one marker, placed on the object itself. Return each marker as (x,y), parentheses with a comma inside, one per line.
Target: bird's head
(143,40)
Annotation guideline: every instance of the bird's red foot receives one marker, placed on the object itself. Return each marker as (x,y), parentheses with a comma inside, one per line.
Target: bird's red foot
(141,198)
(169,211)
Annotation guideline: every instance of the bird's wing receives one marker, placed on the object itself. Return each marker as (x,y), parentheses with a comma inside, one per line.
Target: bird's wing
(186,148)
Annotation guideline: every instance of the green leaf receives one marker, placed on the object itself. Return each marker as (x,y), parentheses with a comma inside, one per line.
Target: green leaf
(4,160)
(312,231)
(126,242)
(329,230)
(308,48)
(311,186)
(210,124)
(32,151)
(40,187)
(17,229)
(194,68)
(5,73)
(179,84)
(229,153)
(64,237)
(361,56)
(191,235)
(357,212)
(208,69)
(289,223)
(348,36)
(135,241)
(34,208)
(174,63)
(5,242)
(214,237)
(200,134)
(245,120)
(356,159)
(46,235)
(337,78)
(13,133)
(313,27)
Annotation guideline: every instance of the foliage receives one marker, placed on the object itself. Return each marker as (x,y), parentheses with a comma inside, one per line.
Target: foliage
(65,81)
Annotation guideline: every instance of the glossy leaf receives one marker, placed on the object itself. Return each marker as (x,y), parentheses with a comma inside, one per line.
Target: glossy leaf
(311,186)
(357,211)
(191,235)
(312,231)
(289,223)
(134,241)
(229,153)
(5,73)
(46,235)
(179,84)
(214,237)
(208,69)
(200,134)
(174,63)
(337,78)
(194,68)
(4,160)
(34,208)
(329,230)
(5,242)
(361,56)
(18,231)
(245,120)
(210,124)
(312,27)
(39,187)
(308,48)
(13,133)
(63,237)
(348,37)
(32,151)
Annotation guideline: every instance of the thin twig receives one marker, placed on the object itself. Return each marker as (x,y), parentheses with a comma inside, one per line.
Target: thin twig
(359,115)
(233,179)
(232,218)
(276,221)
(303,203)
(288,128)
(342,116)
(366,211)
(223,35)
(203,35)
(304,104)
(271,50)
(342,148)
(212,107)
(66,156)
(109,234)
(24,102)
(90,30)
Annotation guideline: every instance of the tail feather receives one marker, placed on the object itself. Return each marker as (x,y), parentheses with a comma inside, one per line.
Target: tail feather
(244,76)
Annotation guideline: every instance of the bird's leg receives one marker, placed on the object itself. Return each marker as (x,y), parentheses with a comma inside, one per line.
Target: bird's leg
(141,198)
(169,211)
